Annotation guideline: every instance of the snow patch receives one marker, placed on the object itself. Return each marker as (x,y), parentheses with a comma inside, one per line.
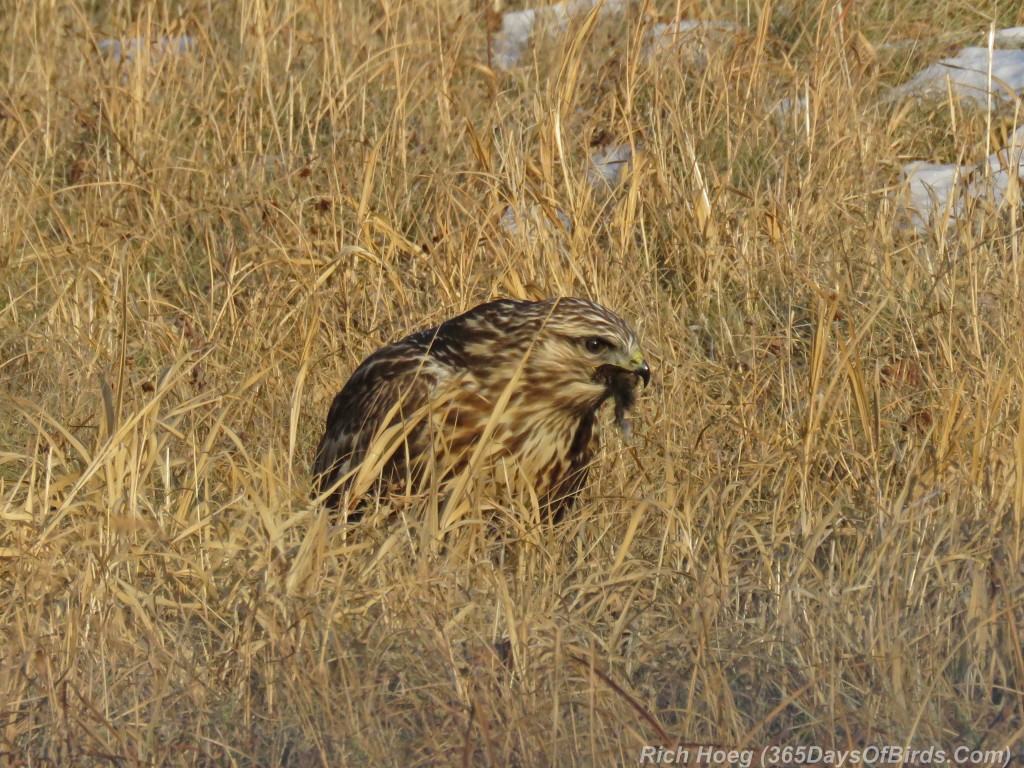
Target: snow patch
(943,192)
(608,164)
(137,47)
(968,75)
(688,40)
(511,40)
(1010,36)
(533,221)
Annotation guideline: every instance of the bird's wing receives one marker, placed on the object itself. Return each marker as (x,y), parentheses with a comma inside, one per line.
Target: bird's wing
(384,399)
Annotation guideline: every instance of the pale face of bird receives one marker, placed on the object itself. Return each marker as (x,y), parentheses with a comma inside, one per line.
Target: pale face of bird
(588,350)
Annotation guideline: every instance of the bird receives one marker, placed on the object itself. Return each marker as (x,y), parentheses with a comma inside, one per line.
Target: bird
(509,391)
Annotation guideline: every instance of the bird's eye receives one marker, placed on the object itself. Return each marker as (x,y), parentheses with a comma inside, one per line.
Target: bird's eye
(595,344)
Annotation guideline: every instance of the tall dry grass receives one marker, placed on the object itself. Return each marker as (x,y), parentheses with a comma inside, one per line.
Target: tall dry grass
(815,537)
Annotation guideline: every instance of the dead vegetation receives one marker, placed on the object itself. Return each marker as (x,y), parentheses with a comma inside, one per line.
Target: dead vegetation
(815,537)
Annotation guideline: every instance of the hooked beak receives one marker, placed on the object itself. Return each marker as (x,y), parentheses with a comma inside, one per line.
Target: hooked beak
(643,370)
(639,367)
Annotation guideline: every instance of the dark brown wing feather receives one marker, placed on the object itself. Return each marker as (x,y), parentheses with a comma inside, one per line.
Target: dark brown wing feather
(405,372)
(394,374)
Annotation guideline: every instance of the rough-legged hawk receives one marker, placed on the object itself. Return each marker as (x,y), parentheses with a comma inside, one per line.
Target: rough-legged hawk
(509,391)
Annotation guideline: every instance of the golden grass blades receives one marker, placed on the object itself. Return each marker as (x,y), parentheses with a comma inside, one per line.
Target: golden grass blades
(815,537)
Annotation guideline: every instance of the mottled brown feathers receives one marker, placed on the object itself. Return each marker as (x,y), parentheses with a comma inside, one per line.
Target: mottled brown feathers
(508,391)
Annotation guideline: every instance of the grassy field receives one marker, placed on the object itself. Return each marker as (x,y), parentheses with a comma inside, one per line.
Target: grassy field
(814,538)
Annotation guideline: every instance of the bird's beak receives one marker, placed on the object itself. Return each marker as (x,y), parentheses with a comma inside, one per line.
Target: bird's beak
(644,372)
(640,367)
(623,375)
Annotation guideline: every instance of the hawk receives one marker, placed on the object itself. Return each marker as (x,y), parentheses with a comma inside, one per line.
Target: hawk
(510,391)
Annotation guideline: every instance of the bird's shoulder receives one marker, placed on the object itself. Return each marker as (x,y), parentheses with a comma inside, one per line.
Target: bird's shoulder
(431,363)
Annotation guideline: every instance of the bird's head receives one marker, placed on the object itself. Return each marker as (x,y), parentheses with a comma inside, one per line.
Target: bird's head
(586,354)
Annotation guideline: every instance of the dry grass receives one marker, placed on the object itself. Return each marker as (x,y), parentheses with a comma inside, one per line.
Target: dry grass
(816,537)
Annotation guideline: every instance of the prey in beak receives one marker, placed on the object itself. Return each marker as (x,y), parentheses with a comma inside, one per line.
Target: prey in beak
(622,383)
